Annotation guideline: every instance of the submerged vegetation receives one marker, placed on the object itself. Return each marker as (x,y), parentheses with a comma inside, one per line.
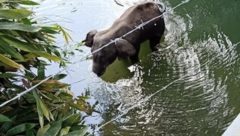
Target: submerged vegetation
(26,48)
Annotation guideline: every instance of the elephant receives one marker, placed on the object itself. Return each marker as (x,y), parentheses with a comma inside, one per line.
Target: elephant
(127,46)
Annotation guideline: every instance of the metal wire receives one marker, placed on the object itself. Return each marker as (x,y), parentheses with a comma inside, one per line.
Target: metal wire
(137,104)
(29,89)
(112,41)
(133,30)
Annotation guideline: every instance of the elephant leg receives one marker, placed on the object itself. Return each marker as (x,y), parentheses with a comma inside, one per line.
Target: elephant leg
(134,59)
(153,43)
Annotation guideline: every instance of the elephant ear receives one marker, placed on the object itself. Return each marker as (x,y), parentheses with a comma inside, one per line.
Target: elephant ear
(89,38)
(124,48)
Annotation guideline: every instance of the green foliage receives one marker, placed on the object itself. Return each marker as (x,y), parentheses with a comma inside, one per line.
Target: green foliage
(4,118)
(21,39)
(14,13)
(50,109)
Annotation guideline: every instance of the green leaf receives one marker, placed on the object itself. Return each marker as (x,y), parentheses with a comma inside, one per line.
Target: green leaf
(81,132)
(20,44)
(82,105)
(29,48)
(66,35)
(28,2)
(64,131)
(59,76)
(54,129)
(20,129)
(24,2)
(18,26)
(40,117)
(39,110)
(4,47)
(30,132)
(45,110)
(9,62)
(4,118)
(43,130)
(66,96)
(72,119)
(40,72)
(8,75)
(42,108)
(51,84)
(14,13)
(4,127)
(48,56)
(50,30)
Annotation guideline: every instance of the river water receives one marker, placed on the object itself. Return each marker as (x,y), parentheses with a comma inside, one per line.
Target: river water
(190,87)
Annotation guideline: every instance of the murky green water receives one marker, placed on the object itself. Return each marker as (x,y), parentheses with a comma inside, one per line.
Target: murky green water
(195,76)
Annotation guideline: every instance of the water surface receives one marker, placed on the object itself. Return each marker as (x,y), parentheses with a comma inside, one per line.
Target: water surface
(194,76)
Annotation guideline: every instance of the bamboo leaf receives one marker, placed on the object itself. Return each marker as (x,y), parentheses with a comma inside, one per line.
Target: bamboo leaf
(28,2)
(8,75)
(44,55)
(20,129)
(40,72)
(14,13)
(72,119)
(20,44)
(54,129)
(48,56)
(66,36)
(29,48)
(64,131)
(50,30)
(30,132)
(42,107)
(51,84)
(6,126)
(24,2)
(59,76)
(43,130)
(81,132)
(18,26)
(39,110)
(41,119)
(9,62)
(4,47)
(4,118)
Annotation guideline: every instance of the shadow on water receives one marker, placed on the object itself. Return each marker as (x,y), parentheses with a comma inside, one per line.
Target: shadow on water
(199,51)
